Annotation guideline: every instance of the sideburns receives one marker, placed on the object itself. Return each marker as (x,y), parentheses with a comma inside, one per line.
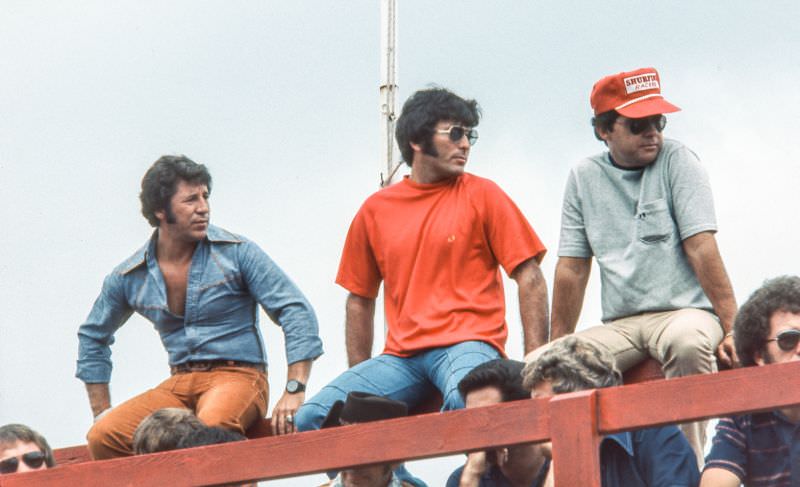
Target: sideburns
(169,214)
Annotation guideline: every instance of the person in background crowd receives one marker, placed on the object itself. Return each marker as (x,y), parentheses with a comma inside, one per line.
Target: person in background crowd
(491,383)
(164,429)
(761,449)
(23,449)
(361,407)
(651,457)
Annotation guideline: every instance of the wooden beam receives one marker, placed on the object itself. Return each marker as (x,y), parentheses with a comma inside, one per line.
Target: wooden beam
(576,442)
(423,436)
(683,399)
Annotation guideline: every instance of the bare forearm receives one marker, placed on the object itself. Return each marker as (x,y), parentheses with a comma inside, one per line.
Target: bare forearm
(99,397)
(704,257)
(532,304)
(299,371)
(569,288)
(359,328)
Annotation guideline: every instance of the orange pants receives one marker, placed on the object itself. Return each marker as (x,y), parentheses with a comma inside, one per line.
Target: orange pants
(230,397)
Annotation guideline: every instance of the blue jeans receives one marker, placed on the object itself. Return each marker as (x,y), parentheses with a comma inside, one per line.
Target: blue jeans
(411,380)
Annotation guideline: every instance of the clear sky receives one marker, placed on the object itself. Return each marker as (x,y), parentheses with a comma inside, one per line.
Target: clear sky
(280,101)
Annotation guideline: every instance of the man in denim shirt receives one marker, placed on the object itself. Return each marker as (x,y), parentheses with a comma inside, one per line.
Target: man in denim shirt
(199,285)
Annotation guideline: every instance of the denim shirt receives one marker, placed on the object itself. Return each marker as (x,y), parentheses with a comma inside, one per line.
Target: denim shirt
(228,276)
(652,457)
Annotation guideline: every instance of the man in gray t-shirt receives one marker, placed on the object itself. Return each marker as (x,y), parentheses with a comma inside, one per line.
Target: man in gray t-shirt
(644,209)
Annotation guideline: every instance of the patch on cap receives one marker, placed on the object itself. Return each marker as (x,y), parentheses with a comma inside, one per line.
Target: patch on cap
(642,82)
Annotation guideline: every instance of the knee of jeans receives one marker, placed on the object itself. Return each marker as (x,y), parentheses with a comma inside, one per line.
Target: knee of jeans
(453,400)
(99,434)
(309,417)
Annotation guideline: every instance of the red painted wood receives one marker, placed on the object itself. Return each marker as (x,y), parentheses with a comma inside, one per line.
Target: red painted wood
(260,429)
(422,436)
(71,454)
(577,421)
(576,454)
(646,370)
(697,397)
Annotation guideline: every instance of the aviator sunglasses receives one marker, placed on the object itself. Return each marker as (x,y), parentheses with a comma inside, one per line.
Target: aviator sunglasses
(457,131)
(33,459)
(787,339)
(638,125)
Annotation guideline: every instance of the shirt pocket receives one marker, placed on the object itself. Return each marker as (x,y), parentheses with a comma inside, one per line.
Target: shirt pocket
(653,222)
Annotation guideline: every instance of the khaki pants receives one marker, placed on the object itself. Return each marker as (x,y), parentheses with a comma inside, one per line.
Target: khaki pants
(684,341)
(230,397)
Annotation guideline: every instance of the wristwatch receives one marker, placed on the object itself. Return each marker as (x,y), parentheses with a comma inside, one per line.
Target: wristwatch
(294,386)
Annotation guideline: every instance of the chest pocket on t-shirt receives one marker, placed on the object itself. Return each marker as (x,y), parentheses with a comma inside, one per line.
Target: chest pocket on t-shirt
(653,222)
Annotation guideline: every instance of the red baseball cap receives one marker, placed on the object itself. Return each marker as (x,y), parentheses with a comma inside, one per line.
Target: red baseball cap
(634,94)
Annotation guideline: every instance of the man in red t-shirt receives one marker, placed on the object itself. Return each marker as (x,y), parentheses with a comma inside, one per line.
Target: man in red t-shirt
(436,240)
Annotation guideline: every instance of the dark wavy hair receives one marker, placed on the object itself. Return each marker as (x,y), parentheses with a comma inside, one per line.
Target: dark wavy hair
(504,374)
(423,110)
(161,181)
(751,327)
(10,434)
(604,121)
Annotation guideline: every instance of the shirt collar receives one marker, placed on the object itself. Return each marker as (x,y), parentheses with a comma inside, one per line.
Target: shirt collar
(213,235)
(624,439)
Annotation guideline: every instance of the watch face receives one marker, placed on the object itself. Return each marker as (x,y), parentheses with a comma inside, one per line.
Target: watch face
(294,386)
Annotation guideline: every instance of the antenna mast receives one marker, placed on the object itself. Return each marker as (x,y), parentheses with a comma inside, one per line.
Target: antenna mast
(388,90)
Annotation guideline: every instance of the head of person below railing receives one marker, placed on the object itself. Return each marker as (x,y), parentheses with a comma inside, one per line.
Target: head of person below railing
(646,458)
(23,449)
(761,445)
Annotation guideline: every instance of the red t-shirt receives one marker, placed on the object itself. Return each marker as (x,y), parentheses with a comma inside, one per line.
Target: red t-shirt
(438,247)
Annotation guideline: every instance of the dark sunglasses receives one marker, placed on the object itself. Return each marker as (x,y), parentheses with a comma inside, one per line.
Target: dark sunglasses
(638,125)
(33,459)
(787,340)
(457,131)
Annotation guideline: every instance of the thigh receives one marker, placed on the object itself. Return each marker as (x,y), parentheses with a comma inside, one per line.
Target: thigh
(398,378)
(685,341)
(446,366)
(235,397)
(116,428)
(621,338)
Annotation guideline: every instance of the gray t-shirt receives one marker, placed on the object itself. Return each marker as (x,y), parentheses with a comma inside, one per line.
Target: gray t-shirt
(633,222)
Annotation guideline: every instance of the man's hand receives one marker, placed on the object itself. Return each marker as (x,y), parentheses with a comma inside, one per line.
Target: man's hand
(719,477)
(476,466)
(286,407)
(284,411)
(726,352)
(99,399)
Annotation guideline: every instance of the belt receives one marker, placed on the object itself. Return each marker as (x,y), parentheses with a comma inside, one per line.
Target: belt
(206,365)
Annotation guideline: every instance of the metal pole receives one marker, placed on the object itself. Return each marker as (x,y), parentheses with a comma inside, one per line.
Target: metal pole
(388,89)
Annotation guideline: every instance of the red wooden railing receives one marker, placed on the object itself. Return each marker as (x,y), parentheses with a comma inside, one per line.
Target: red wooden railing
(573,422)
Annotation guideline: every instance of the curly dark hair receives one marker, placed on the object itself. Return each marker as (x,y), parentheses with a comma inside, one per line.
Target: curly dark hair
(423,110)
(751,327)
(504,374)
(161,181)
